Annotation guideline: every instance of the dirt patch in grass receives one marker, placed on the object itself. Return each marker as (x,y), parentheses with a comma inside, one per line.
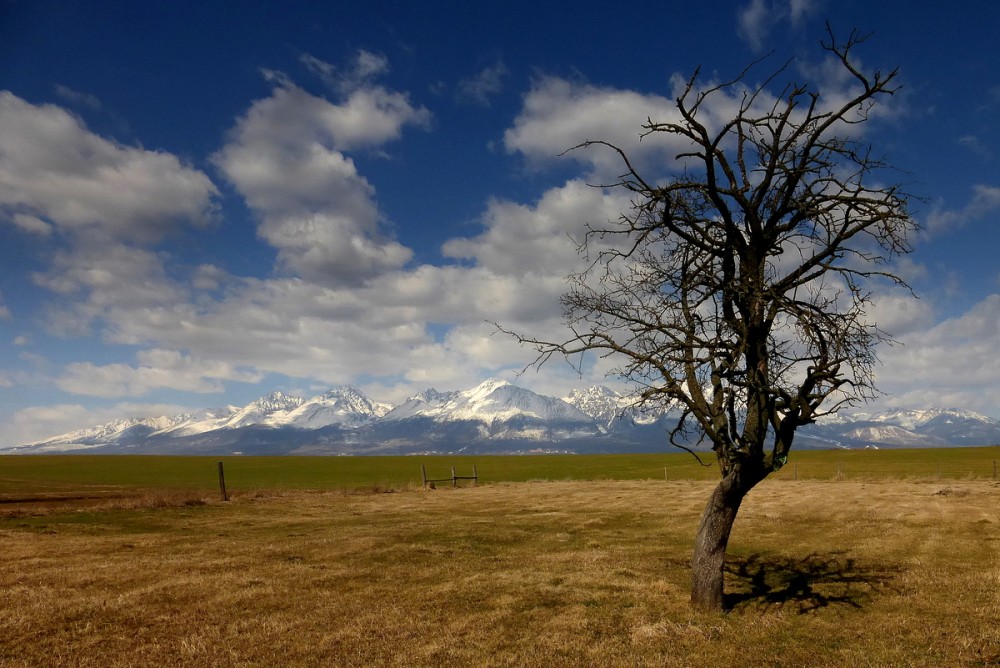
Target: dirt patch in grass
(526,574)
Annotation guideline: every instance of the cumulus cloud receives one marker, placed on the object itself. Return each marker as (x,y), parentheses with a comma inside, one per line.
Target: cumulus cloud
(102,282)
(558,114)
(543,238)
(55,172)
(286,157)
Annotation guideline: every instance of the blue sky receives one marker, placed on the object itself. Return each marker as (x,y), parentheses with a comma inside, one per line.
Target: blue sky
(204,201)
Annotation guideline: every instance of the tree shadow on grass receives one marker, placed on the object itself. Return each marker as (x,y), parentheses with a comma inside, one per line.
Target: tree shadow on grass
(803,585)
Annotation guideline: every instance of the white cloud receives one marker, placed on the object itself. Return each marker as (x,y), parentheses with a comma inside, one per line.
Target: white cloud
(899,313)
(415,322)
(365,67)
(155,369)
(76,97)
(480,88)
(540,239)
(53,171)
(558,114)
(101,283)
(976,145)
(755,22)
(759,18)
(950,364)
(32,224)
(285,156)
(985,200)
(295,120)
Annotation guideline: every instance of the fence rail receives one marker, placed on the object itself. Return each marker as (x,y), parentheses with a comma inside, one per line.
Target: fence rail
(454,478)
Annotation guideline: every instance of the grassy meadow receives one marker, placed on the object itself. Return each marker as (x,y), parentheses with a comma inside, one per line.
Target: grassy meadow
(96,475)
(566,562)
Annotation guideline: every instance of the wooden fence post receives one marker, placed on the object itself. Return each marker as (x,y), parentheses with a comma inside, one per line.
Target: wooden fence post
(994,469)
(665,476)
(454,480)
(222,483)
(423,474)
(795,471)
(475,476)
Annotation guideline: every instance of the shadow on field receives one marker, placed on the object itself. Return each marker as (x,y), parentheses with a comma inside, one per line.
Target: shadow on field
(805,585)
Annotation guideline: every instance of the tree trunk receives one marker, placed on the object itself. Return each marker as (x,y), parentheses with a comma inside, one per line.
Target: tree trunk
(707,565)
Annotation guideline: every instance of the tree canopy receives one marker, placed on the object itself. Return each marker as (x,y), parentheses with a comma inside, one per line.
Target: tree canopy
(737,290)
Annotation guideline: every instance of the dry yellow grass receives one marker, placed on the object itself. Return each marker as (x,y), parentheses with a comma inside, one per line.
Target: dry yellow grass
(554,574)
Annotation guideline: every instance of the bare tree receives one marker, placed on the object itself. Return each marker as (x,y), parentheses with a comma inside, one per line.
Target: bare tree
(737,293)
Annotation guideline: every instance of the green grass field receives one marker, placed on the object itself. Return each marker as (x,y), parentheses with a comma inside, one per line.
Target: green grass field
(22,476)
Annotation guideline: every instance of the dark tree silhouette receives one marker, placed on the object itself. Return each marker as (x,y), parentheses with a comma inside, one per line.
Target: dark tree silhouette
(737,293)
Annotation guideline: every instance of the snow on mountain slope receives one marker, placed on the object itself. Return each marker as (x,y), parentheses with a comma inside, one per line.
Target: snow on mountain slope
(890,434)
(490,402)
(344,406)
(109,432)
(425,403)
(495,400)
(599,402)
(913,420)
(200,422)
(609,407)
(268,410)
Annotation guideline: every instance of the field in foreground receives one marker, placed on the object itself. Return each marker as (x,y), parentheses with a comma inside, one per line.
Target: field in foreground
(834,573)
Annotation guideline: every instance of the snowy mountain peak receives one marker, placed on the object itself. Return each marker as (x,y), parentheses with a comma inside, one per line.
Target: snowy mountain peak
(345,406)
(425,404)
(600,402)
(486,388)
(260,410)
(608,406)
(492,401)
(495,400)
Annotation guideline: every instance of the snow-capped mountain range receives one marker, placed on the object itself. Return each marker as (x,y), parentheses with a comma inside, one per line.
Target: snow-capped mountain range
(493,417)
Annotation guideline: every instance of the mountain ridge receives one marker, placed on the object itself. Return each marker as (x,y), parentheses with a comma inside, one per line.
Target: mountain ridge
(494,416)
